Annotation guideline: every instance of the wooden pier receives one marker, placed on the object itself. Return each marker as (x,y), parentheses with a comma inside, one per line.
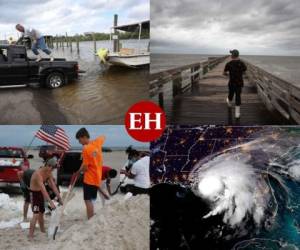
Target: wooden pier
(196,94)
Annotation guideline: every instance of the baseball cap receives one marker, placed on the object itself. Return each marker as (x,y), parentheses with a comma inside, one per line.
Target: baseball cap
(234,52)
(52,162)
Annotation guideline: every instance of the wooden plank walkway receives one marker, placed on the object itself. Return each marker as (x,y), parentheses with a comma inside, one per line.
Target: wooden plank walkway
(205,103)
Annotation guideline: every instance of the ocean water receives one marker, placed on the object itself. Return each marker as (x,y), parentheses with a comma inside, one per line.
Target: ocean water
(285,67)
(161,62)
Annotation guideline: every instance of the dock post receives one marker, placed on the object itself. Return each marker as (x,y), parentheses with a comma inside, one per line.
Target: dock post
(77,44)
(70,43)
(67,39)
(95,45)
(115,35)
(56,42)
(161,99)
(195,76)
(177,84)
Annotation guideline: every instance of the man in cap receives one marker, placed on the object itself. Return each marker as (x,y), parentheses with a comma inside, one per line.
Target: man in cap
(38,41)
(38,193)
(236,68)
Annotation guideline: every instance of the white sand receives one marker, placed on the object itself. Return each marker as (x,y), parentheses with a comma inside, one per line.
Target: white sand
(119,225)
(10,209)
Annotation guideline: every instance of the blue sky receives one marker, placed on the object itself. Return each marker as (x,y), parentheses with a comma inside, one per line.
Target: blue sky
(21,135)
(72,16)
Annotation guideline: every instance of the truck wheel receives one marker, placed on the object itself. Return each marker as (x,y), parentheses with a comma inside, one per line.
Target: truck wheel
(55,80)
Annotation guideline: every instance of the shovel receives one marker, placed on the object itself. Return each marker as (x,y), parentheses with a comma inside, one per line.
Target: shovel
(120,184)
(58,213)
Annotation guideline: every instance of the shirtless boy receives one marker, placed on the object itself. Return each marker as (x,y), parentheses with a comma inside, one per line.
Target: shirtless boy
(38,194)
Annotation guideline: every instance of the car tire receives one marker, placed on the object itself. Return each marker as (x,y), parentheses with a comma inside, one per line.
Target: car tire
(55,80)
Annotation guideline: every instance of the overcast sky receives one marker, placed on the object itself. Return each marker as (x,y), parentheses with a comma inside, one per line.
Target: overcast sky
(72,16)
(260,27)
(22,135)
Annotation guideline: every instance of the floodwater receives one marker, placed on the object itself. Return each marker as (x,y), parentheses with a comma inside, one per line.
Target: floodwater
(101,96)
(285,67)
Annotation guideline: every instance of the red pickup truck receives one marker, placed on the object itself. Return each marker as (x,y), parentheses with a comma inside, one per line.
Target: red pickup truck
(12,160)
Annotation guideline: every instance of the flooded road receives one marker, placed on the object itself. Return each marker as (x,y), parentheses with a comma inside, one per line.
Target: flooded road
(101,95)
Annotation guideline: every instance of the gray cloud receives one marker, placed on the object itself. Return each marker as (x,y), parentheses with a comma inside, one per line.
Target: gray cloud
(254,26)
(72,16)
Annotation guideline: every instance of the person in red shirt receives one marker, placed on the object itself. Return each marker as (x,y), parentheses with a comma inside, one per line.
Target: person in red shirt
(92,162)
(108,173)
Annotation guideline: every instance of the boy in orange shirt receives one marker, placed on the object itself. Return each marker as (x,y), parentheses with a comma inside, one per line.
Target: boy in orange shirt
(91,166)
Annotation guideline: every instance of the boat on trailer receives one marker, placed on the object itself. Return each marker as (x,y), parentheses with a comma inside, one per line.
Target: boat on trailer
(128,57)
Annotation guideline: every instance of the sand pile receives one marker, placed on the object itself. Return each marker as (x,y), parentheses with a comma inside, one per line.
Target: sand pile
(10,211)
(121,225)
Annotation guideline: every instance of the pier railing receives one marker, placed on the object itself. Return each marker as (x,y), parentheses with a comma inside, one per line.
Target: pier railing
(170,83)
(276,94)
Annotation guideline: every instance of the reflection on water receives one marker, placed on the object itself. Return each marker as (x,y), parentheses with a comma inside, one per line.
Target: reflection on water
(102,95)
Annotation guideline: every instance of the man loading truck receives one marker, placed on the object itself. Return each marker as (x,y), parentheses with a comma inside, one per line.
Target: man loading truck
(37,39)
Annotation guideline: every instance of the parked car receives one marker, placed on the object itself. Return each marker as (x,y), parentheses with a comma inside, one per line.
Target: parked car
(68,164)
(16,69)
(12,160)
(48,151)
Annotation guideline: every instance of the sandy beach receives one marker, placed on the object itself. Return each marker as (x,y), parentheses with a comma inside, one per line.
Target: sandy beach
(118,224)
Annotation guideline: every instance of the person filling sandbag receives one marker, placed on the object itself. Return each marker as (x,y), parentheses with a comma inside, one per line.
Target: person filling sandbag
(107,174)
(139,172)
(92,162)
(38,41)
(25,178)
(38,193)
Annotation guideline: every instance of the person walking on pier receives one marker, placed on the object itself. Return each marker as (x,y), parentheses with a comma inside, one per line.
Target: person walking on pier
(38,41)
(236,68)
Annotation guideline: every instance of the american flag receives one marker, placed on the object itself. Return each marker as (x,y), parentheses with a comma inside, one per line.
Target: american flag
(54,135)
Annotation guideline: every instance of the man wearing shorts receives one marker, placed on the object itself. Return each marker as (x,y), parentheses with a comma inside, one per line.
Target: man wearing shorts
(25,177)
(91,166)
(38,193)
